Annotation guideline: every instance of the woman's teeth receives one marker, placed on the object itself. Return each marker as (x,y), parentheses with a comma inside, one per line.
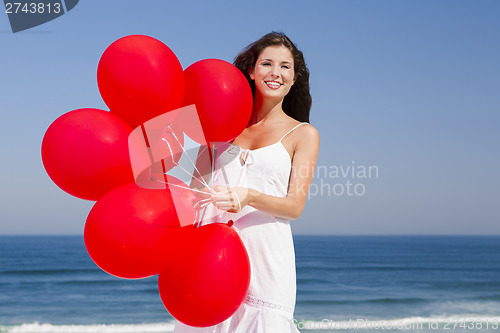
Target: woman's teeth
(273,85)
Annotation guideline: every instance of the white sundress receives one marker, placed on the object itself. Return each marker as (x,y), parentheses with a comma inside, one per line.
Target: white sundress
(270,302)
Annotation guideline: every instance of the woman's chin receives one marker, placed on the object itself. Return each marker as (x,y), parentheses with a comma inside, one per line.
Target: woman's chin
(267,94)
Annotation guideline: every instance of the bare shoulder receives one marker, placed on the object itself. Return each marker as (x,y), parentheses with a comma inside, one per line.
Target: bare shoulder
(307,134)
(305,129)
(306,148)
(305,143)
(308,129)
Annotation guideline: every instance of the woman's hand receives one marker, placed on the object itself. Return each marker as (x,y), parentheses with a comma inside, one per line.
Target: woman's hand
(232,199)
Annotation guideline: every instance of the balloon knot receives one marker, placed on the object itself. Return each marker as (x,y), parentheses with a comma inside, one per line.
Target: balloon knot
(230,223)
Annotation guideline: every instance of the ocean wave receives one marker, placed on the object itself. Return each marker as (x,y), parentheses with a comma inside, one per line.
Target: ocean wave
(336,267)
(470,285)
(313,281)
(489,298)
(111,328)
(50,271)
(98,282)
(361,301)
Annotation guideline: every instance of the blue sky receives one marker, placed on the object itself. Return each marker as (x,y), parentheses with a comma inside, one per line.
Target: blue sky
(409,88)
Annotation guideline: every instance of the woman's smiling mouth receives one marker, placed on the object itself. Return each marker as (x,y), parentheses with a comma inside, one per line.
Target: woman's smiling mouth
(273,84)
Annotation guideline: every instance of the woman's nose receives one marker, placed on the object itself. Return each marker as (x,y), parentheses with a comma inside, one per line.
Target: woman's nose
(274,72)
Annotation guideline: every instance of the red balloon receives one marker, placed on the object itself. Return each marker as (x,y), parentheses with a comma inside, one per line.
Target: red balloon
(139,78)
(134,233)
(223,99)
(207,283)
(85,152)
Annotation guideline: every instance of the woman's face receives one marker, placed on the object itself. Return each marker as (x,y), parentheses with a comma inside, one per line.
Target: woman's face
(273,73)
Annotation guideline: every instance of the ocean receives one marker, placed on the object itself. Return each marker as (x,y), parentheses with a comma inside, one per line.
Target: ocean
(344,283)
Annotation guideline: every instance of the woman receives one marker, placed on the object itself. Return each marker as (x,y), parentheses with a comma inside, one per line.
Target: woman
(266,185)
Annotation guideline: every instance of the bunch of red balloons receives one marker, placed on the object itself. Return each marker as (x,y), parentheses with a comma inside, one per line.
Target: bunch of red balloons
(133,232)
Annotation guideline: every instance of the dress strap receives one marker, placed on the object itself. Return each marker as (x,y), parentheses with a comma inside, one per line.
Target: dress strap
(291,131)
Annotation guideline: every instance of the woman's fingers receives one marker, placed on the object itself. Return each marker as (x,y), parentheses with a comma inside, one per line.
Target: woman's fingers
(229,199)
(224,200)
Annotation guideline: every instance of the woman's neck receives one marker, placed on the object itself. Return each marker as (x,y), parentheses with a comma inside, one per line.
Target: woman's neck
(265,110)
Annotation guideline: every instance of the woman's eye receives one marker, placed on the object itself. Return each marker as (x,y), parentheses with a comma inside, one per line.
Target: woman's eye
(266,64)
(285,66)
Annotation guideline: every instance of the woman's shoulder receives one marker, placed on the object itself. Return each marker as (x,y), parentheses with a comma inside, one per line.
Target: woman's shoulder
(304,140)
(305,131)
(302,135)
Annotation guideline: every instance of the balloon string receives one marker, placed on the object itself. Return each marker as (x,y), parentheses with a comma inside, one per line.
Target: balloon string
(187,155)
(173,161)
(206,201)
(201,203)
(219,211)
(182,168)
(184,187)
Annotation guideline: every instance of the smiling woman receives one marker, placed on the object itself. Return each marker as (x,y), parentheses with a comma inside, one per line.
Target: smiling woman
(273,72)
(266,187)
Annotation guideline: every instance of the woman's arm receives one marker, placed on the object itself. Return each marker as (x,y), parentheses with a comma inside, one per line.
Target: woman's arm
(291,206)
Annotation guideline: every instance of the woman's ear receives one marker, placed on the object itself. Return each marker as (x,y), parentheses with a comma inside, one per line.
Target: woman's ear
(251,73)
